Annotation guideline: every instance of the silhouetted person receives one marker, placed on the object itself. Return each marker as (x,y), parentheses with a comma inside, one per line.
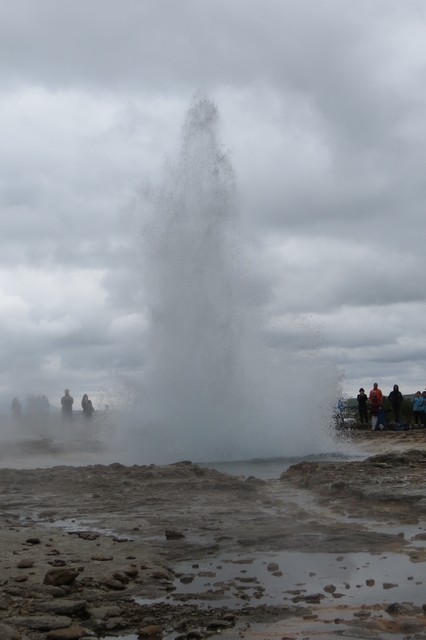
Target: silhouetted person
(87,406)
(67,402)
(362,399)
(16,408)
(396,399)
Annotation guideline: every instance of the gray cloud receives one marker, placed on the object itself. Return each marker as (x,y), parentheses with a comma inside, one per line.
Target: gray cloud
(322,108)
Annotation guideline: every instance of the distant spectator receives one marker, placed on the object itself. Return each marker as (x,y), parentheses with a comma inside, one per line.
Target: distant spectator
(424,408)
(375,399)
(396,400)
(67,402)
(87,406)
(362,400)
(376,393)
(16,408)
(418,410)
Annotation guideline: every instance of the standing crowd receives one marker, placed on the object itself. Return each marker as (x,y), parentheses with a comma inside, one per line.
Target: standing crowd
(371,407)
(40,404)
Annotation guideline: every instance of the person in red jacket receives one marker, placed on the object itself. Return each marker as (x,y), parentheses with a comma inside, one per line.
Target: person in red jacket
(375,399)
(376,393)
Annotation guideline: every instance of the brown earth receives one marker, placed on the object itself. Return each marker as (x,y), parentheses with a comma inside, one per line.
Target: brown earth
(115,551)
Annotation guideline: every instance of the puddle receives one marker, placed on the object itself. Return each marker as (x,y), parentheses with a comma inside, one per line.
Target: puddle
(351,585)
(327,629)
(353,579)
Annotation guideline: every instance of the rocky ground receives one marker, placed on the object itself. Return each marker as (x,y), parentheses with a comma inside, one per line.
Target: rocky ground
(181,551)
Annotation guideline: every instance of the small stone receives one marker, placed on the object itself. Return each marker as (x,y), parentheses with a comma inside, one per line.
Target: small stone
(88,535)
(20,578)
(105,612)
(131,572)
(71,633)
(121,577)
(150,630)
(115,623)
(63,607)
(330,588)
(389,585)
(25,563)
(57,562)
(114,584)
(58,577)
(173,535)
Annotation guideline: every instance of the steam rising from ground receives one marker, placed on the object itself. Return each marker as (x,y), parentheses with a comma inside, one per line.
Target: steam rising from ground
(211,388)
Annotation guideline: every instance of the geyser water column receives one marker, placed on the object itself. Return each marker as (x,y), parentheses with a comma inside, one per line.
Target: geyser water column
(211,389)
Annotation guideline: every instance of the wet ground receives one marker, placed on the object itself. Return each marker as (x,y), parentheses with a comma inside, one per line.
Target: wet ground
(329,549)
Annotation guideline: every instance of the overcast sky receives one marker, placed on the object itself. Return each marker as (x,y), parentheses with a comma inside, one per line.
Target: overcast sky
(322,106)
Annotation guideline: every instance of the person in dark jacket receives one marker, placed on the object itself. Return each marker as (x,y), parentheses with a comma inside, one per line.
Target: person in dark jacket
(396,399)
(362,399)
(67,402)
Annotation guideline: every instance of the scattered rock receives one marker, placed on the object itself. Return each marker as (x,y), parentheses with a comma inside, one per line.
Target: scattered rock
(330,588)
(105,612)
(171,534)
(150,631)
(389,585)
(121,577)
(71,633)
(131,572)
(25,563)
(58,577)
(63,607)
(88,535)
(403,609)
(41,622)
(116,585)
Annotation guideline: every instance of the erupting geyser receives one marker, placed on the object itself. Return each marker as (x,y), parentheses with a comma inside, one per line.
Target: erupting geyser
(211,388)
